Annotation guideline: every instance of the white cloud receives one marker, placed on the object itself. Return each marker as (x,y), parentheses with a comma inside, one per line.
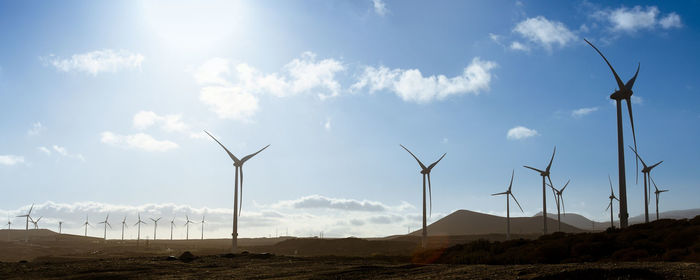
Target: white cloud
(63,152)
(233,93)
(96,62)
(380,7)
(515,45)
(317,201)
(583,111)
(637,99)
(169,123)
(36,129)
(11,159)
(140,141)
(44,150)
(412,86)
(544,32)
(521,132)
(670,21)
(633,19)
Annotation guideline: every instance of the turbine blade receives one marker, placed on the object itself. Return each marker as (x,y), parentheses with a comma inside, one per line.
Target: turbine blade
(563,208)
(500,193)
(246,158)
(540,171)
(565,185)
(430,167)
(516,202)
(617,78)
(652,180)
(630,83)
(430,193)
(634,134)
(552,159)
(609,204)
(511,180)
(234,158)
(655,165)
(611,188)
(414,156)
(240,198)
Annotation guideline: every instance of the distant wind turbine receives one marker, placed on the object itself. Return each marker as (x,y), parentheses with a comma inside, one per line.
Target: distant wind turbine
(9,227)
(646,171)
(26,216)
(36,223)
(545,174)
(60,227)
(508,194)
(138,234)
(624,92)
(187,226)
(86,224)
(123,226)
(657,193)
(106,223)
(155,226)
(172,225)
(426,174)
(610,205)
(238,164)
(202,227)
(559,199)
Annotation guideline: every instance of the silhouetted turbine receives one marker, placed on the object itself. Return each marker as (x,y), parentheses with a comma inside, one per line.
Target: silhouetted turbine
(426,173)
(508,194)
(155,226)
(646,171)
(26,216)
(544,174)
(610,205)
(238,164)
(624,92)
(559,199)
(36,223)
(123,226)
(60,227)
(106,223)
(138,234)
(187,226)
(172,224)
(657,193)
(203,227)
(86,224)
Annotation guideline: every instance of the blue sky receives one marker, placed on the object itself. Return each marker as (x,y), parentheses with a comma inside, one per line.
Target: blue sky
(104,104)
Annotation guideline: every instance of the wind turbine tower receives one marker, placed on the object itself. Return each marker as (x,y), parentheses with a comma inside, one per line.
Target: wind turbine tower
(545,175)
(508,194)
(106,223)
(155,226)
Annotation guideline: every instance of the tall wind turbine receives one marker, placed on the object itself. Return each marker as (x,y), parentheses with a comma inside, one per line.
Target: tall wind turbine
(646,171)
(624,92)
(545,174)
(36,223)
(202,227)
(559,199)
(138,234)
(26,216)
(187,226)
(172,225)
(123,226)
(611,197)
(106,223)
(508,194)
(60,227)
(426,174)
(657,193)
(86,224)
(238,164)
(155,226)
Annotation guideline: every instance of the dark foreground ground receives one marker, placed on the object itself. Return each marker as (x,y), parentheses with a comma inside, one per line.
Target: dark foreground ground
(265,266)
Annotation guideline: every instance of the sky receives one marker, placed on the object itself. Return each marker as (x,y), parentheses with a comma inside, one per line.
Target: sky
(104,104)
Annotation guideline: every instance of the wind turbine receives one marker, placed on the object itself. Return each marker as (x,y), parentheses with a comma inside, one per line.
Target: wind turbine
(646,171)
(426,173)
(238,164)
(624,92)
(138,235)
(508,194)
(202,227)
(86,224)
(106,223)
(9,224)
(60,227)
(155,226)
(611,197)
(172,224)
(123,226)
(26,236)
(657,193)
(559,199)
(187,225)
(545,174)
(36,223)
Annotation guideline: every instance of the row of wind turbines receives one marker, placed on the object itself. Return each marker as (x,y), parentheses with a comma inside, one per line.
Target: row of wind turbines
(624,92)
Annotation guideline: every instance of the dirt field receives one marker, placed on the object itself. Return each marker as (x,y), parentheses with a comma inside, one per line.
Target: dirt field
(265,266)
